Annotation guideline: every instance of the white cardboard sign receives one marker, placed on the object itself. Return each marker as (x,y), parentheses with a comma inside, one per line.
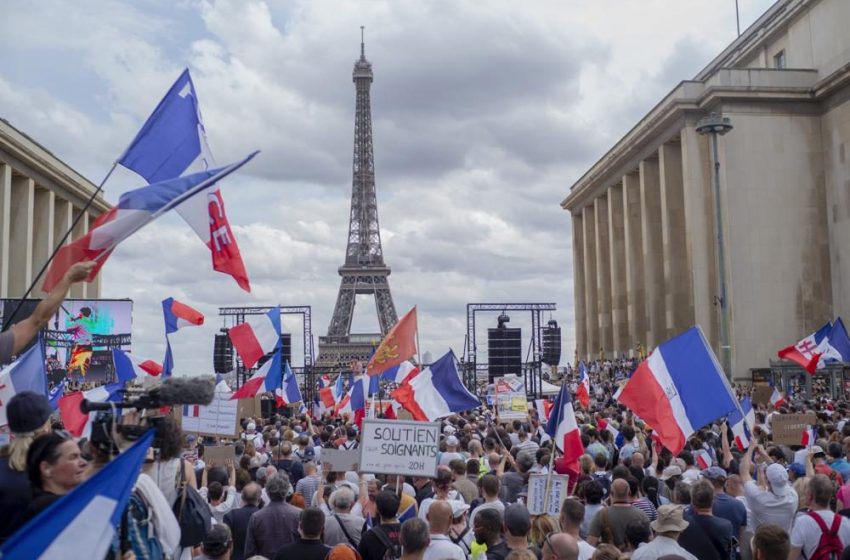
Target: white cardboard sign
(537,495)
(399,447)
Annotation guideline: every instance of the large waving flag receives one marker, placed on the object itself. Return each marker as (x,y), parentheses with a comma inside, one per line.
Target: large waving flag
(355,399)
(177,315)
(290,392)
(436,391)
(678,389)
(400,373)
(135,209)
(27,373)
(257,336)
(173,142)
(398,346)
(805,352)
(128,367)
(563,429)
(83,523)
(583,389)
(742,422)
(267,378)
(835,347)
(77,423)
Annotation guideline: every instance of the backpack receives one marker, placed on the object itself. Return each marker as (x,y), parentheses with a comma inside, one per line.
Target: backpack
(604,481)
(192,512)
(393,551)
(829,547)
(140,531)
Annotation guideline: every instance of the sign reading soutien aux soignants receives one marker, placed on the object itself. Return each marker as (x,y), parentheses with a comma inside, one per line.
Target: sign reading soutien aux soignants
(399,447)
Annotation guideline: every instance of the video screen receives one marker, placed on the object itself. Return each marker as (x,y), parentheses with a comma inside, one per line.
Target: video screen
(80,338)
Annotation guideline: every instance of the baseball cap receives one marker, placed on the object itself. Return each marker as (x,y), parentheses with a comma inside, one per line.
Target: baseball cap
(27,411)
(798,469)
(778,478)
(714,473)
(817,450)
(452,441)
(670,472)
(458,507)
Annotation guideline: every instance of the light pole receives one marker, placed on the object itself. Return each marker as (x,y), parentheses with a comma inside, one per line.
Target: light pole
(717,125)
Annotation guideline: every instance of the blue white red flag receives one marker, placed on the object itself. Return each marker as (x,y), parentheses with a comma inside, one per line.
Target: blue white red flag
(290,392)
(810,436)
(177,315)
(835,347)
(702,459)
(583,389)
(739,420)
(75,421)
(400,373)
(563,429)
(135,209)
(805,353)
(83,523)
(678,389)
(27,373)
(776,399)
(267,378)
(257,336)
(128,367)
(355,399)
(173,142)
(436,391)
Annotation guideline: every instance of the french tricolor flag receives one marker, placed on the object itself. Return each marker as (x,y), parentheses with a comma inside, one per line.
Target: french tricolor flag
(776,399)
(583,389)
(543,407)
(177,315)
(436,391)
(702,459)
(257,336)
(128,367)
(75,421)
(355,399)
(678,389)
(609,427)
(740,420)
(135,209)
(810,436)
(563,429)
(24,374)
(400,373)
(191,410)
(289,393)
(267,378)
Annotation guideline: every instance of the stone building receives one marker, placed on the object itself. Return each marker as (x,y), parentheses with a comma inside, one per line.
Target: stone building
(643,217)
(40,197)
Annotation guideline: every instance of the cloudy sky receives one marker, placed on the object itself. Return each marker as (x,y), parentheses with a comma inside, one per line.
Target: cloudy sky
(484,114)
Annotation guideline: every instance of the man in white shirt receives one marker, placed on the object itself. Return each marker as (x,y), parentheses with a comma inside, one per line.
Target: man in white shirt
(667,527)
(451,452)
(771,499)
(441,547)
(806,534)
(572,516)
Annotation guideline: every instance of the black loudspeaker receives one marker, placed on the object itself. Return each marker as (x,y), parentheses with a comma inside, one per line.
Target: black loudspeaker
(504,352)
(267,408)
(285,352)
(222,354)
(552,344)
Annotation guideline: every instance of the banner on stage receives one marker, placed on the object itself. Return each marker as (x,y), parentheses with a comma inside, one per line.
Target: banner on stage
(511,401)
(537,495)
(399,447)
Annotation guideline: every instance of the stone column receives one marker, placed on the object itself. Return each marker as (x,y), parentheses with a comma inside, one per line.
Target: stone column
(5,226)
(43,232)
(678,298)
(616,235)
(653,265)
(590,299)
(20,243)
(80,290)
(633,245)
(603,275)
(578,288)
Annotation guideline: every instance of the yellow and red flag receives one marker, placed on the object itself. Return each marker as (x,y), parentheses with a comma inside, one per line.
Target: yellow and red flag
(399,345)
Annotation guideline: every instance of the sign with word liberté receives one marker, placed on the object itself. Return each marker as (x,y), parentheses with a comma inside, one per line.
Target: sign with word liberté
(399,447)
(510,397)
(788,428)
(542,501)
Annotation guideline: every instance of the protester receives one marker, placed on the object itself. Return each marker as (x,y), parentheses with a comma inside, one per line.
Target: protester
(571,519)
(441,546)
(488,531)
(237,519)
(55,466)
(217,545)
(414,539)
(276,524)
(614,518)
(706,537)
(516,527)
(490,487)
(385,534)
(770,499)
(667,527)
(770,541)
(810,527)
(309,545)
(559,546)
(342,526)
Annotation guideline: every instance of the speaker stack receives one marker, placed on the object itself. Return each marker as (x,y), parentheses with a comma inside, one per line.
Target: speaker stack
(504,350)
(222,354)
(552,343)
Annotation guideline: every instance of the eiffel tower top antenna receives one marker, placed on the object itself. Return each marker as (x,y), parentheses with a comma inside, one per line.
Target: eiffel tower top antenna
(362,43)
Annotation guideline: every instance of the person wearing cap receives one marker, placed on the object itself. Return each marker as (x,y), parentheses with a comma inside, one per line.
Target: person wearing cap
(670,476)
(516,526)
(442,547)
(806,534)
(725,506)
(451,453)
(770,497)
(460,532)
(28,415)
(217,545)
(822,467)
(667,527)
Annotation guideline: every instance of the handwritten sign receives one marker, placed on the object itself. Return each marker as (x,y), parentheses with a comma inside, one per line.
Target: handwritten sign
(218,455)
(788,428)
(540,500)
(220,418)
(341,460)
(399,447)
(510,397)
(761,394)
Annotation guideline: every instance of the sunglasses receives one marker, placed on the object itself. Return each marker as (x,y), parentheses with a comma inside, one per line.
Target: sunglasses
(546,542)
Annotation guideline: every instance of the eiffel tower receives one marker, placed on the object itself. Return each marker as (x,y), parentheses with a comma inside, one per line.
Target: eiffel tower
(364,271)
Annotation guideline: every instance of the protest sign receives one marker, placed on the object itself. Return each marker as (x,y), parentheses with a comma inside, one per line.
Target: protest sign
(538,502)
(399,447)
(510,397)
(341,460)
(761,394)
(220,418)
(218,455)
(788,428)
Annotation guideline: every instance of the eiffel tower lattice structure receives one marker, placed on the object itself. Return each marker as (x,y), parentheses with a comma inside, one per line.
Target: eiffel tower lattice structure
(364,271)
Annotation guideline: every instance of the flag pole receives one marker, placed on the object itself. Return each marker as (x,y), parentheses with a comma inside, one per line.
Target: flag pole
(558,415)
(8,322)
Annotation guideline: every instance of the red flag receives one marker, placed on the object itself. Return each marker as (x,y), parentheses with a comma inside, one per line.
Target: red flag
(399,345)
(327,396)
(226,257)
(389,413)
(69,410)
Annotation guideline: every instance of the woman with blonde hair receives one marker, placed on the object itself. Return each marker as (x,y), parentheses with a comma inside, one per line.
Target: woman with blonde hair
(541,526)
(28,415)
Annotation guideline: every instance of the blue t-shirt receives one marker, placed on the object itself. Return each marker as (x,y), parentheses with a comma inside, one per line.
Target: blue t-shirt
(727,507)
(842,467)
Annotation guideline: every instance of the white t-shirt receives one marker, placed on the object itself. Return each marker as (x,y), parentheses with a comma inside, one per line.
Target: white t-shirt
(442,548)
(767,507)
(806,533)
(585,551)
